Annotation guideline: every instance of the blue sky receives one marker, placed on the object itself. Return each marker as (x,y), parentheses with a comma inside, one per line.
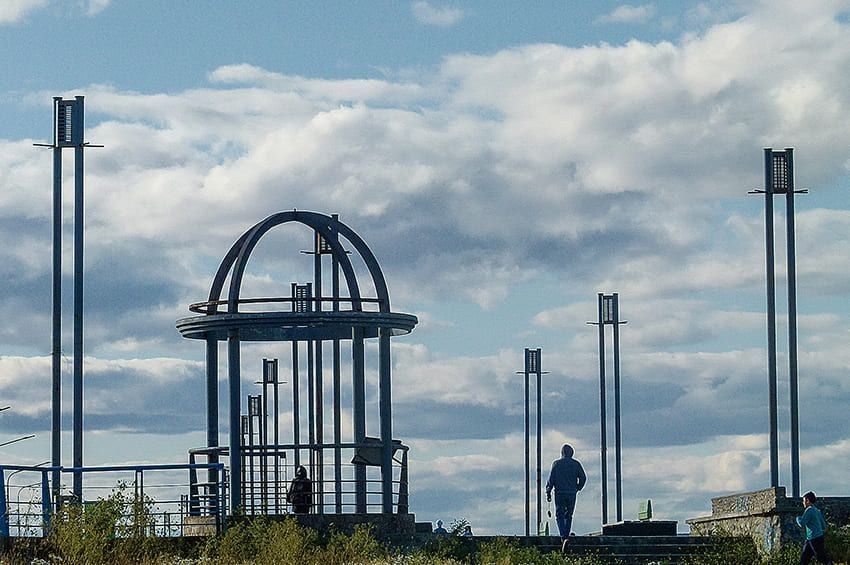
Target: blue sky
(506,162)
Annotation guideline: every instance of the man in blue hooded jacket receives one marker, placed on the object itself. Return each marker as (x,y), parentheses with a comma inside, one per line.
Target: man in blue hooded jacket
(567,477)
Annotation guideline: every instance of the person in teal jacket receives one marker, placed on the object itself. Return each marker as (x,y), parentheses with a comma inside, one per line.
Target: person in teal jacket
(812,520)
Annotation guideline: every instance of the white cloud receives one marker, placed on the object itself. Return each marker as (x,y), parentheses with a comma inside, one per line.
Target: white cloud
(97,6)
(12,11)
(713,12)
(626,13)
(359,90)
(623,155)
(441,16)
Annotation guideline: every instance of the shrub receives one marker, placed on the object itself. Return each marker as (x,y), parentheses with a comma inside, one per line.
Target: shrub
(239,544)
(788,555)
(360,547)
(288,543)
(115,529)
(725,551)
(111,530)
(449,548)
(261,540)
(838,543)
(501,551)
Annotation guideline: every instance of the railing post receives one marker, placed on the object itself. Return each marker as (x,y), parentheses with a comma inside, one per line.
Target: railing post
(45,503)
(194,502)
(403,501)
(222,503)
(4,509)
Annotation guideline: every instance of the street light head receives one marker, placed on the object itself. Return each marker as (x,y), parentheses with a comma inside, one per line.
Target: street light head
(253,405)
(608,308)
(779,171)
(301,293)
(68,122)
(532,360)
(270,371)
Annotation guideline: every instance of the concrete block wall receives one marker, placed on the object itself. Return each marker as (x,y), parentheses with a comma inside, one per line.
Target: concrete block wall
(767,516)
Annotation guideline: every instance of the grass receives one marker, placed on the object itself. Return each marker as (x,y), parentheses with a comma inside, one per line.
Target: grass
(117,530)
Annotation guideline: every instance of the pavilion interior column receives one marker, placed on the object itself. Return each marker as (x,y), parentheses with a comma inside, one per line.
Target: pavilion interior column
(359,385)
(233,376)
(384,383)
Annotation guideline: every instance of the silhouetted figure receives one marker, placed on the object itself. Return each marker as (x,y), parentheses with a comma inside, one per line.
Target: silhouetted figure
(567,477)
(300,493)
(467,531)
(812,520)
(440,530)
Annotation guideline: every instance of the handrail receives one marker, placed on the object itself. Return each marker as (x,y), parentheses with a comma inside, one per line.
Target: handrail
(216,506)
(4,467)
(206,307)
(143,467)
(223,449)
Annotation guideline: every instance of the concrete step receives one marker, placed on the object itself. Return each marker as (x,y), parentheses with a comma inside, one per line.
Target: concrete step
(631,549)
(590,541)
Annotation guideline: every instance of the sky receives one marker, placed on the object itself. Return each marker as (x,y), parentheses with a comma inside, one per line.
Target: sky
(505,162)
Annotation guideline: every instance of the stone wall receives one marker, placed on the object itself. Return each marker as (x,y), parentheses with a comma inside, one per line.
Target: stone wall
(767,516)
(836,509)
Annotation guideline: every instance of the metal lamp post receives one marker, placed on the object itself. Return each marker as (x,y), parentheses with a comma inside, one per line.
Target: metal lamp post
(68,132)
(608,309)
(779,179)
(532,367)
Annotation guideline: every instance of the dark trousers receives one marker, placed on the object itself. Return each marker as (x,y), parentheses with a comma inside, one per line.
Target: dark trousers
(565,504)
(814,547)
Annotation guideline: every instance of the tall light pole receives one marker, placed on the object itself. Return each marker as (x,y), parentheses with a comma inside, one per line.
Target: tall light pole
(532,367)
(779,179)
(68,132)
(608,313)
(270,377)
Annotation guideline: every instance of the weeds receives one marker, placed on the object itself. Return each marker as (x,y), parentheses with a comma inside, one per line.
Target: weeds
(115,529)
(119,528)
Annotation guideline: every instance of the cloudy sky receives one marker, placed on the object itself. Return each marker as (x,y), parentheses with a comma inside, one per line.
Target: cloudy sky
(505,162)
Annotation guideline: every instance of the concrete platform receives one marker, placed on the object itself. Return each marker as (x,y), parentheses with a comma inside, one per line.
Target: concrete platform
(640,528)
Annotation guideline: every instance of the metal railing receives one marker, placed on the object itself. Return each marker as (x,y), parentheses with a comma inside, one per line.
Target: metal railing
(267,471)
(317,303)
(28,501)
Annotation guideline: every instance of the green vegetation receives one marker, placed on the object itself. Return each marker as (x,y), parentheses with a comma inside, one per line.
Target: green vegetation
(838,544)
(743,550)
(286,543)
(118,530)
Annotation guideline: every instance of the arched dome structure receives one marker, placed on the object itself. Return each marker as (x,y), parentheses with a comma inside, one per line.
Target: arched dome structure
(309,318)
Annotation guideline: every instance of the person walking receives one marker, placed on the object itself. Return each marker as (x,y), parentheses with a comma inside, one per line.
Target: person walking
(812,520)
(567,478)
(300,493)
